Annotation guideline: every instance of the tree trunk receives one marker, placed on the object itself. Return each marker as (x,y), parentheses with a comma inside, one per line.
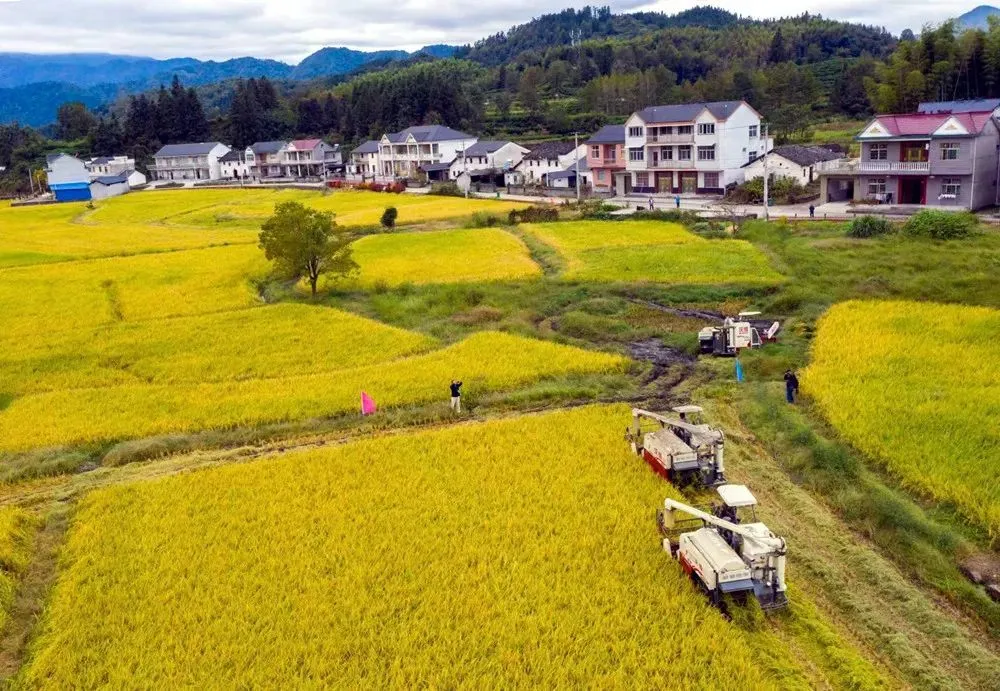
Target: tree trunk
(312,283)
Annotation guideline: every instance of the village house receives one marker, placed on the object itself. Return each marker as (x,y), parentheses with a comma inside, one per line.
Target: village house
(606,160)
(543,159)
(692,148)
(364,161)
(68,178)
(310,158)
(485,161)
(404,154)
(265,159)
(107,186)
(939,158)
(181,162)
(233,166)
(800,163)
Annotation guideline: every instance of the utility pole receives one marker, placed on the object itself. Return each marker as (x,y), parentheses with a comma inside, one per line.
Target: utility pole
(465,171)
(767,213)
(31,182)
(576,153)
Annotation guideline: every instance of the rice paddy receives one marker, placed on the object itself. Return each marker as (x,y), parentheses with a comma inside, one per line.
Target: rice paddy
(653,251)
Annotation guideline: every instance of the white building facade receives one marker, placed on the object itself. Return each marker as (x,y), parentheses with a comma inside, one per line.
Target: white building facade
(404,154)
(692,148)
(182,162)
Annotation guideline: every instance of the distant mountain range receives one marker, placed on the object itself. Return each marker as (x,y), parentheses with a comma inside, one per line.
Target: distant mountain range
(32,87)
(976,19)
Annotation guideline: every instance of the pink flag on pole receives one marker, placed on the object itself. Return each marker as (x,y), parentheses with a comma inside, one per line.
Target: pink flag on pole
(367,404)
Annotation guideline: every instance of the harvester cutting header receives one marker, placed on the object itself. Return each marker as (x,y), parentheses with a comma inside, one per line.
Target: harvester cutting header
(684,450)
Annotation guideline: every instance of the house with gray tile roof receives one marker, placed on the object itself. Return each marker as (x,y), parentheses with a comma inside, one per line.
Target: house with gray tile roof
(404,154)
(196,161)
(690,148)
(800,163)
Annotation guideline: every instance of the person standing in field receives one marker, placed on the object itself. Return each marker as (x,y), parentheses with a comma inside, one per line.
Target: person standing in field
(677,201)
(791,385)
(456,396)
(650,203)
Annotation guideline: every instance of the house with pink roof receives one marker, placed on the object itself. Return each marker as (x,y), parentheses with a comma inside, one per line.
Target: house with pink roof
(945,158)
(311,158)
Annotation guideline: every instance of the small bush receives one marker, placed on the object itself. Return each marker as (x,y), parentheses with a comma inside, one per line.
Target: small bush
(941,225)
(447,189)
(389,217)
(484,219)
(533,214)
(869,227)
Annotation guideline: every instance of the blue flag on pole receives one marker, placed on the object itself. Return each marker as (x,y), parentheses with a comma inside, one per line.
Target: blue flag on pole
(739,370)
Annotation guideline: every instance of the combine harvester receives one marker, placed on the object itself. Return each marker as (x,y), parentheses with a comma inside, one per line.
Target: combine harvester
(726,556)
(745,331)
(684,450)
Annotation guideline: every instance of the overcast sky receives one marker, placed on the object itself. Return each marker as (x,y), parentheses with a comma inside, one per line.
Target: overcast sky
(291,29)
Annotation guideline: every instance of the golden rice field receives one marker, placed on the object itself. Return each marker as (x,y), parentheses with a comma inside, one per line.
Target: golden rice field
(38,300)
(265,342)
(59,233)
(653,251)
(485,361)
(485,555)
(445,256)
(915,386)
(16,531)
(237,208)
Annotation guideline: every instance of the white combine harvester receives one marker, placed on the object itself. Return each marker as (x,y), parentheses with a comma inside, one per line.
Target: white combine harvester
(727,556)
(745,331)
(684,450)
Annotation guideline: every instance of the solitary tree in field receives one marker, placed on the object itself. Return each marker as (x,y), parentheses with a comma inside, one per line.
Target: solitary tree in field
(306,243)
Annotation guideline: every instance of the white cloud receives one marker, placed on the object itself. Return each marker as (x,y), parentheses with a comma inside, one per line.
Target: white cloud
(291,29)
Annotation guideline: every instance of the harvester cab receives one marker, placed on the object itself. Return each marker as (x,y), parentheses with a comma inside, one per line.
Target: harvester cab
(727,557)
(684,450)
(746,330)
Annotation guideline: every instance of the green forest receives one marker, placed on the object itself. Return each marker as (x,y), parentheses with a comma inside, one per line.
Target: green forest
(573,71)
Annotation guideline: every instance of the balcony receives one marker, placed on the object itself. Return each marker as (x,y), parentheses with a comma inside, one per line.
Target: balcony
(610,162)
(670,139)
(918,167)
(668,164)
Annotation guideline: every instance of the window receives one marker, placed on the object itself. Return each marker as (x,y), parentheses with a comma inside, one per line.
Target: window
(667,153)
(876,187)
(949,151)
(951,187)
(706,153)
(642,179)
(667,130)
(600,175)
(706,128)
(712,181)
(752,156)
(635,131)
(612,154)
(683,153)
(753,131)
(434,148)
(685,129)
(637,154)
(595,152)
(878,152)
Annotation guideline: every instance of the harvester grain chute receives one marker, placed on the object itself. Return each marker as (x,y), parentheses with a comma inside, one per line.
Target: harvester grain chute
(683,450)
(747,330)
(731,553)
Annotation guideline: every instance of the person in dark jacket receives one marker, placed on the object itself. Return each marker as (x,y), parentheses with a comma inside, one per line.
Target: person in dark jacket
(791,385)
(456,396)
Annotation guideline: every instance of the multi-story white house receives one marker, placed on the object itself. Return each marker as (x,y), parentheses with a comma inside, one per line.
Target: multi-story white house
(692,148)
(488,158)
(110,165)
(234,165)
(404,154)
(546,158)
(198,161)
(68,178)
(364,161)
(265,159)
(304,158)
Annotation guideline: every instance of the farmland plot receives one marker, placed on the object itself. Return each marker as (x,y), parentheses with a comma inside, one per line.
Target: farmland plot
(35,301)
(446,256)
(915,386)
(473,556)
(485,361)
(265,342)
(653,251)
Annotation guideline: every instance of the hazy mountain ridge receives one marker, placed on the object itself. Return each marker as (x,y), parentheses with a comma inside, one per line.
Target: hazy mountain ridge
(977,18)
